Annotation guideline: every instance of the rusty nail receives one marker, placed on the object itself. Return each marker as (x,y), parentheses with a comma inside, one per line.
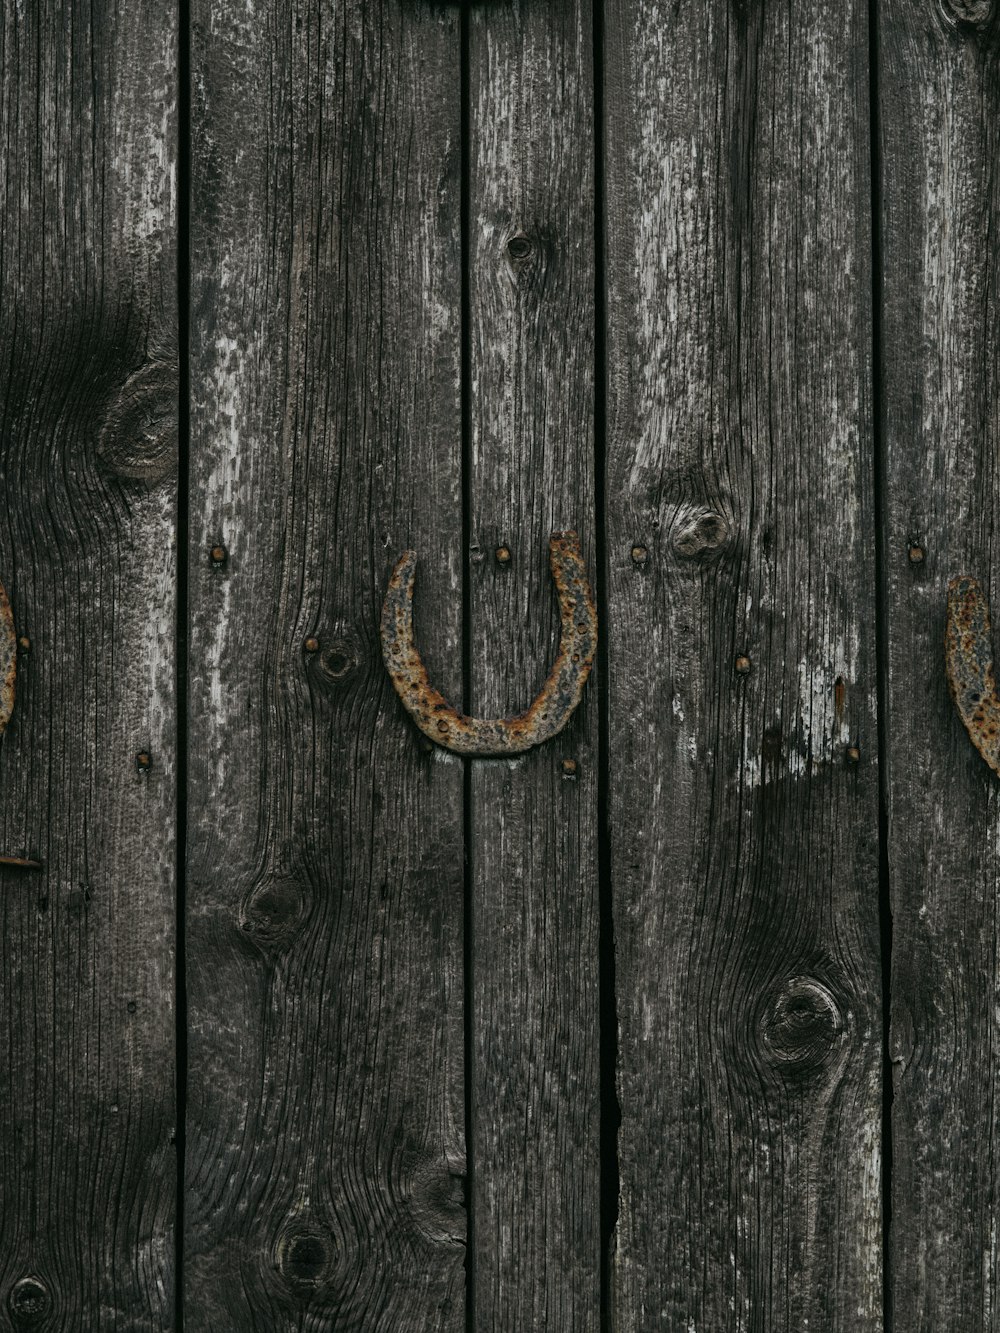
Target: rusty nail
(311,645)
(25,642)
(853,754)
(639,555)
(503,555)
(21,862)
(218,555)
(968,649)
(741,665)
(569,768)
(143,761)
(916,554)
(556,700)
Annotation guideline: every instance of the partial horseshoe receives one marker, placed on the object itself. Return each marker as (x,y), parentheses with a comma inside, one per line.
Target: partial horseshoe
(968,650)
(555,702)
(8,660)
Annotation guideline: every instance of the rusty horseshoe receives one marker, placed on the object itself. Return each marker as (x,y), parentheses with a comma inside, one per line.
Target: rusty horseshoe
(556,700)
(968,651)
(8,682)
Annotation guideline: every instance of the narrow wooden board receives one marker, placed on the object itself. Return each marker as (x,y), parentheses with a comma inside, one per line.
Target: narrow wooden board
(325,888)
(535,1064)
(744,837)
(88,451)
(939,111)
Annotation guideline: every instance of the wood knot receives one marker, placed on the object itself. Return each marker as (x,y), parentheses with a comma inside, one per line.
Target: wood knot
(972,16)
(274,910)
(699,533)
(138,439)
(29,1301)
(306,1255)
(338,662)
(437,1201)
(800,1026)
(525,257)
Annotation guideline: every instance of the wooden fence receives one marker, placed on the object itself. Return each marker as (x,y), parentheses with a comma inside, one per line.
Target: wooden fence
(686,1020)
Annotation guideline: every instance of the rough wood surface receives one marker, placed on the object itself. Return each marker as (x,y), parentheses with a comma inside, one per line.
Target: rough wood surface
(742,685)
(939,113)
(325,1093)
(535,1066)
(88,439)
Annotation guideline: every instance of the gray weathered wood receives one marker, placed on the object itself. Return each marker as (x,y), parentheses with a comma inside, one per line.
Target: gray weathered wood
(325,1135)
(939,110)
(535,1068)
(743,802)
(88,440)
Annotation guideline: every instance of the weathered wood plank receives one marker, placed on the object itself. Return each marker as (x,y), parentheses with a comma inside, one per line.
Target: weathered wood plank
(535,1075)
(742,685)
(88,442)
(939,110)
(326,1137)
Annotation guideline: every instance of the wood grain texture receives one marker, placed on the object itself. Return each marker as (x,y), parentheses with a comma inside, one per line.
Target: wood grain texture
(88,443)
(742,684)
(325,1136)
(535,1075)
(939,113)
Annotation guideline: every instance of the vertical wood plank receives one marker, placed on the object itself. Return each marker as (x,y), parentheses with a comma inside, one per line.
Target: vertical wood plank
(939,110)
(535,1089)
(742,686)
(326,1137)
(88,443)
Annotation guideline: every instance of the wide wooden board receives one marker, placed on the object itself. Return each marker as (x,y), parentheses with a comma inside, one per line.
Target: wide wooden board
(742,690)
(326,1162)
(938,115)
(533,821)
(88,471)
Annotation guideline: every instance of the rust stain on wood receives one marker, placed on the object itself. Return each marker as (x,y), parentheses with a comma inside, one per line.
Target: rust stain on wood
(969,662)
(555,702)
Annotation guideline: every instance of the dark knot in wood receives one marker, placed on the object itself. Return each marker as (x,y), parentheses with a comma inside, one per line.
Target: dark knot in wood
(700,534)
(800,1025)
(274,910)
(970,16)
(305,1258)
(435,1197)
(29,1302)
(138,440)
(338,662)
